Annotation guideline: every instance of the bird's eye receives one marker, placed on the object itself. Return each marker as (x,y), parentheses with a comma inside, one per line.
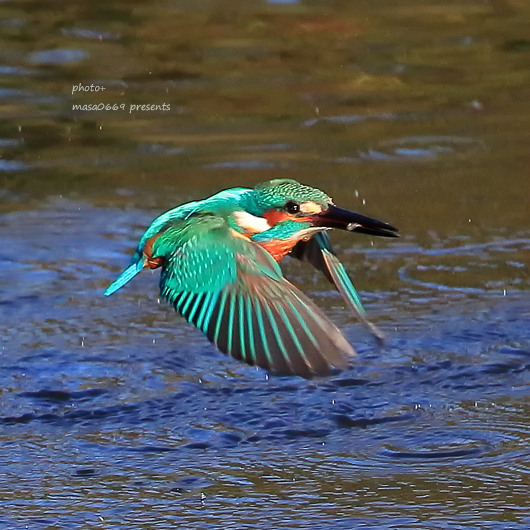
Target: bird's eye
(292,207)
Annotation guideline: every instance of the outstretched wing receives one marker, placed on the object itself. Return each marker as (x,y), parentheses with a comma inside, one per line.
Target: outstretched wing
(234,291)
(319,253)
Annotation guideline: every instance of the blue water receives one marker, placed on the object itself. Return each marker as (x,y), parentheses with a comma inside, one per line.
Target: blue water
(116,414)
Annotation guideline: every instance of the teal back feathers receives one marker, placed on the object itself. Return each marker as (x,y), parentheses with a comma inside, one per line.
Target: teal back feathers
(223,200)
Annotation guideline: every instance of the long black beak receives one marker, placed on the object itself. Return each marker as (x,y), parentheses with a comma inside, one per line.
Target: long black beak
(335,217)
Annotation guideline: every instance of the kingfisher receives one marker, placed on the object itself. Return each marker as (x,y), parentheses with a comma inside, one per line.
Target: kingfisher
(219,269)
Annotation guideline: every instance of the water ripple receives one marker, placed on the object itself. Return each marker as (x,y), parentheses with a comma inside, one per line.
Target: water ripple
(58,56)
(416,148)
(85,33)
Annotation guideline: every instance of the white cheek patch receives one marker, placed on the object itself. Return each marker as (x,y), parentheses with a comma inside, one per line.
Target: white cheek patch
(310,207)
(251,223)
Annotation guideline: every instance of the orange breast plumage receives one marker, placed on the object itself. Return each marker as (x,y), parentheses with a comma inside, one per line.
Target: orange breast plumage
(278,248)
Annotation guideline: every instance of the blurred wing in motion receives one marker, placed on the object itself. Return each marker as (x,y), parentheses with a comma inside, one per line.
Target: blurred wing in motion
(234,291)
(319,253)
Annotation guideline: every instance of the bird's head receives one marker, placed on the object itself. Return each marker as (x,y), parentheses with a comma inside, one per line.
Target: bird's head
(288,207)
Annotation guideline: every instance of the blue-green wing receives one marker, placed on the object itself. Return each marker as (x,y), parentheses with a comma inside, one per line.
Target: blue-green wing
(319,253)
(161,223)
(234,291)
(138,260)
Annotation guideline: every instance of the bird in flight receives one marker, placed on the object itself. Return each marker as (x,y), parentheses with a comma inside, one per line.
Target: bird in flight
(219,259)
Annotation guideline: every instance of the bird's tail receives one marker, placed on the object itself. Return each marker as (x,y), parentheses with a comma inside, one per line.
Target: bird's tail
(128,274)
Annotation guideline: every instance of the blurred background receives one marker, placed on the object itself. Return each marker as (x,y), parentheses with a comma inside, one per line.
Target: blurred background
(115,413)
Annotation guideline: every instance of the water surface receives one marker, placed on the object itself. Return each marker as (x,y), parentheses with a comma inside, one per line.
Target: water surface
(117,414)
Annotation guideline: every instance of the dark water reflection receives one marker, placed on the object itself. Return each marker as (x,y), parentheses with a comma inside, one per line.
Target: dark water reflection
(116,414)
